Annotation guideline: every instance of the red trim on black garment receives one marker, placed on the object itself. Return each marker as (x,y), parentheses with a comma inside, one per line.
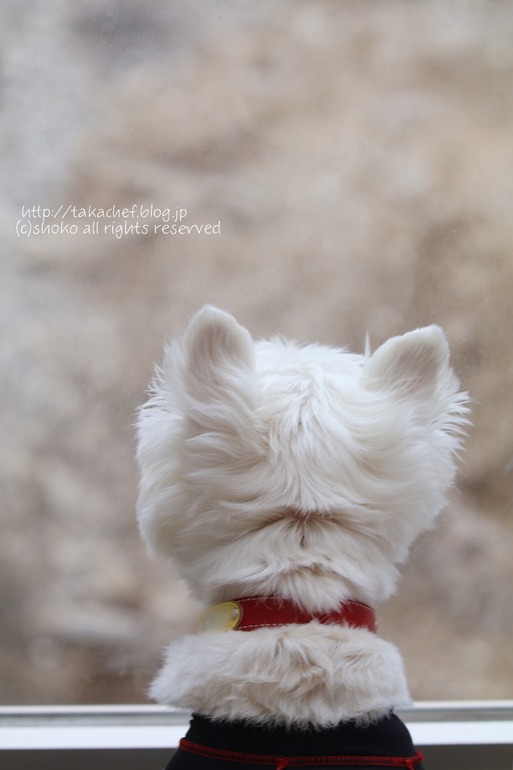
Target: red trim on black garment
(281,762)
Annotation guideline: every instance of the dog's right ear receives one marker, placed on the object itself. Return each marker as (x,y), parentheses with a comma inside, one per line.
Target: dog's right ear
(411,365)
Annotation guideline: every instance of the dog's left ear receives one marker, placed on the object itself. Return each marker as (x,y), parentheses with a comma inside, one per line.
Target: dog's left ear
(215,345)
(412,365)
(219,373)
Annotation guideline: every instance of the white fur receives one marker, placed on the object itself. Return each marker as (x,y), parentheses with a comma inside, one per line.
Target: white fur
(304,472)
(311,674)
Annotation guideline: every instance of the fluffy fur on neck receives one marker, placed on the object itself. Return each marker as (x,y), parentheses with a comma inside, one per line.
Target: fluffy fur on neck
(301,471)
(294,675)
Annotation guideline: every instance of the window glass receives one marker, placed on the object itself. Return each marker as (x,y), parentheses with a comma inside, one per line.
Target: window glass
(338,169)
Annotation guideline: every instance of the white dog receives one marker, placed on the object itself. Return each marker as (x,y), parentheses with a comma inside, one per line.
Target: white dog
(287,483)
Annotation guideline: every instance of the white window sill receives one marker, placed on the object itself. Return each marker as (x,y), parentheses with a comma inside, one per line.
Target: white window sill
(452,734)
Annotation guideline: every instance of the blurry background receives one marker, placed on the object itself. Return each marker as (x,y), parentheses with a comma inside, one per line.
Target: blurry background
(359,159)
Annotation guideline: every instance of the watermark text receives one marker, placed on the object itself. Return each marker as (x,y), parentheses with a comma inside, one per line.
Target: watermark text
(116,221)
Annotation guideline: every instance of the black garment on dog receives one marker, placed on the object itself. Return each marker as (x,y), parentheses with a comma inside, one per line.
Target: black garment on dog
(238,745)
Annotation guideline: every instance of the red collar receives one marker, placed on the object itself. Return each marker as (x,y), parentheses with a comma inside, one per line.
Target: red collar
(269,611)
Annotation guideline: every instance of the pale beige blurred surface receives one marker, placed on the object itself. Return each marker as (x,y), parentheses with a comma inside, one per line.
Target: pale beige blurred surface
(359,157)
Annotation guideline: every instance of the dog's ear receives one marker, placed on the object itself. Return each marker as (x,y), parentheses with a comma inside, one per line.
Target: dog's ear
(219,376)
(411,365)
(216,346)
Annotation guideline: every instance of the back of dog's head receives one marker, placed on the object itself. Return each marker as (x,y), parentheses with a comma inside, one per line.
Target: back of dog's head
(300,470)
